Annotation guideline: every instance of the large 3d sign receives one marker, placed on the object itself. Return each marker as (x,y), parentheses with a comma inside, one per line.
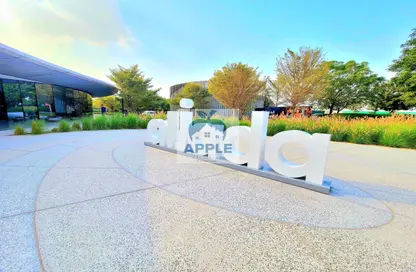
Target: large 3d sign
(244,145)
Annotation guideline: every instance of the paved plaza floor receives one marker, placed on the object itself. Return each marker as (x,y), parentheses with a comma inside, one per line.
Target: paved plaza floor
(102,201)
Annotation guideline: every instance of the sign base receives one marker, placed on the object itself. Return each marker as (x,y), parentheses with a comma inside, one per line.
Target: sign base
(325,188)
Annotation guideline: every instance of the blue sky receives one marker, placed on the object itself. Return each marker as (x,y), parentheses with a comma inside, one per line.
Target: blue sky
(177,41)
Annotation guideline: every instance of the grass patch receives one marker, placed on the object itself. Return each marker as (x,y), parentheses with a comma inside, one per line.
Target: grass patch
(76,126)
(131,121)
(143,121)
(393,131)
(275,126)
(100,123)
(19,131)
(64,126)
(117,121)
(86,123)
(38,127)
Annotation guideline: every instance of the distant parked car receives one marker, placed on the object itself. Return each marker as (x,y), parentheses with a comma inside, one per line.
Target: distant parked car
(149,113)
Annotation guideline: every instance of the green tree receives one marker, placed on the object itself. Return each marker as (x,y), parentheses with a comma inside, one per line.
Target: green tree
(270,93)
(236,85)
(300,75)
(135,89)
(194,91)
(384,95)
(152,101)
(405,68)
(111,103)
(347,85)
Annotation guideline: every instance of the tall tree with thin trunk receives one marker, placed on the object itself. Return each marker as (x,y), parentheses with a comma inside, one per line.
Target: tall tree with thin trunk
(236,85)
(300,75)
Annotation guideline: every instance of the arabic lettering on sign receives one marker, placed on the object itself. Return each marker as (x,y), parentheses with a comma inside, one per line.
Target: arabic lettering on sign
(243,144)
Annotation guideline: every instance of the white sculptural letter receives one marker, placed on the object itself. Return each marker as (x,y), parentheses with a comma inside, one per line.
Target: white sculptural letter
(172,130)
(259,121)
(156,131)
(182,138)
(316,145)
(242,144)
(239,138)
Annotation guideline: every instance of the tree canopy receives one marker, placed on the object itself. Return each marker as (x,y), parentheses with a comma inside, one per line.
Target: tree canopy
(110,102)
(384,95)
(405,68)
(347,84)
(136,90)
(236,85)
(300,75)
(194,91)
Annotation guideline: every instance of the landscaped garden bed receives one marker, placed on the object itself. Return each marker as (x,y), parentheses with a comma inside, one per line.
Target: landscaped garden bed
(393,131)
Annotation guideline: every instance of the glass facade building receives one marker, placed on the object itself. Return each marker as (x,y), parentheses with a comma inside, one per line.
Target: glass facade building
(33,88)
(21,99)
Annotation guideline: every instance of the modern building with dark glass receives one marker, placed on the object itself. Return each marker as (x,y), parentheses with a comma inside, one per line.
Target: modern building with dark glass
(33,88)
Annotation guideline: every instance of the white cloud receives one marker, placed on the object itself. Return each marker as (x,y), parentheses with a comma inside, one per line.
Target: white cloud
(79,35)
(97,22)
(164,89)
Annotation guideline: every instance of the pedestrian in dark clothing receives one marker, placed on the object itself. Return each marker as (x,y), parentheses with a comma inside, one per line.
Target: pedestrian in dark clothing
(103,109)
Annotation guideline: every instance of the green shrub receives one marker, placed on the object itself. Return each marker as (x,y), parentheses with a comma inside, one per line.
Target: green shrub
(319,127)
(354,115)
(245,123)
(230,122)
(364,134)
(86,123)
(117,121)
(143,121)
(160,115)
(275,127)
(296,125)
(132,120)
(409,136)
(359,135)
(392,138)
(340,134)
(38,126)
(100,123)
(375,134)
(19,131)
(76,126)
(54,130)
(64,126)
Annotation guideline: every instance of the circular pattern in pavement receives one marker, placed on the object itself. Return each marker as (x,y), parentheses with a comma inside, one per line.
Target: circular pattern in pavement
(346,207)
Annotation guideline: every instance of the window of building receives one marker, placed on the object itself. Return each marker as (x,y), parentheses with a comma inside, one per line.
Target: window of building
(28,93)
(82,103)
(45,100)
(59,95)
(13,99)
(70,105)
(3,107)
(207,134)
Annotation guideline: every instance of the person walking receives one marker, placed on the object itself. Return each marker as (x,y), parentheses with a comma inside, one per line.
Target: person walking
(308,112)
(103,109)
(297,113)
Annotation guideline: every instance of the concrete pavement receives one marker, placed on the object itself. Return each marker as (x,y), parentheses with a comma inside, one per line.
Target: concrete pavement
(102,201)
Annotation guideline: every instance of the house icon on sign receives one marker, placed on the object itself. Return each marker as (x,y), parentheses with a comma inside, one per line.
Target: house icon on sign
(208,135)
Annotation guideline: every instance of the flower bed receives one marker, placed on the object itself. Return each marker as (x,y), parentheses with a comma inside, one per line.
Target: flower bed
(393,131)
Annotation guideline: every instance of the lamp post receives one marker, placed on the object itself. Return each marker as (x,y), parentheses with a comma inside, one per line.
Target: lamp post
(118,96)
